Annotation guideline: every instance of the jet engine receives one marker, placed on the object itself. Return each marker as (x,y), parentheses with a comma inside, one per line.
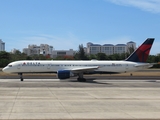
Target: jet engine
(64,74)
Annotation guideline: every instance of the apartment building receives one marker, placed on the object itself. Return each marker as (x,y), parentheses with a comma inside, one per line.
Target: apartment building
(131,45)
(120,48)
(44,49)
(95,48)
(109,49)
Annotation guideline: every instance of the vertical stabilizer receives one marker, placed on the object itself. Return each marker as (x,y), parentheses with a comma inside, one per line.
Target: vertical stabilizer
(141,54)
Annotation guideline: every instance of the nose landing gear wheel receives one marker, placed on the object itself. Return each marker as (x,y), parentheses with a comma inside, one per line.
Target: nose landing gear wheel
(21,76)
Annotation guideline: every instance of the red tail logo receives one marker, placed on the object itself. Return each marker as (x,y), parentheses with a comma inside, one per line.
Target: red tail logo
(141,54)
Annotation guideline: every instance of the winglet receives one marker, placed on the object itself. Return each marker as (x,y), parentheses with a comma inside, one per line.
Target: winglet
(141,54)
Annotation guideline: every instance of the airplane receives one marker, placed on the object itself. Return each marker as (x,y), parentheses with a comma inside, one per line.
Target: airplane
(66,69)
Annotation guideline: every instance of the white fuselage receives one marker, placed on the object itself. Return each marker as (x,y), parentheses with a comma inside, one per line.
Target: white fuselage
(54,66)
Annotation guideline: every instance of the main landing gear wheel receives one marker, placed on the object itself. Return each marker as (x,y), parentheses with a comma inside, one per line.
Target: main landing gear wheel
(81,78)
(21,76)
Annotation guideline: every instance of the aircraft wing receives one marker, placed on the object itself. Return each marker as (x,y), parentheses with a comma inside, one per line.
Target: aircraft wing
(84,69)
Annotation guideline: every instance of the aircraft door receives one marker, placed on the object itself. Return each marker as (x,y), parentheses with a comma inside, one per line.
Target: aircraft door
(49,66)
(19,66)
(126,67)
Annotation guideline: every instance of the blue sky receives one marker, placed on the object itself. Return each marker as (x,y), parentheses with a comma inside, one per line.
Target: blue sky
(66,24)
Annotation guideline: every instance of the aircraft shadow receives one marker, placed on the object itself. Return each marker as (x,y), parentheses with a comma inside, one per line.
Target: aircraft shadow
(89,80)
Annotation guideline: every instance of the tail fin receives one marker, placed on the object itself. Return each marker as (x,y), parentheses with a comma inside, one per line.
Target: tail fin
(141,54)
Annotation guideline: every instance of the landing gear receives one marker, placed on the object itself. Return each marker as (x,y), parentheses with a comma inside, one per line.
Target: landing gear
(81,78)
(21,76)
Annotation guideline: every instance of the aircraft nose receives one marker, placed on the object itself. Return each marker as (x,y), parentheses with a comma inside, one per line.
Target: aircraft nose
(4,70)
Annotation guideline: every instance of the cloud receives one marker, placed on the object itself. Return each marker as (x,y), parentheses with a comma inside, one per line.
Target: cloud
(146,5)
(59,43)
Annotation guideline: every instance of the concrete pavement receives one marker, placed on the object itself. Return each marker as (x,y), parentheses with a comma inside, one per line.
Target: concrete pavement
(29,102)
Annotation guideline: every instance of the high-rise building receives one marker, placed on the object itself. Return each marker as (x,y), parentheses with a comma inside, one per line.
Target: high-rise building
(2,45)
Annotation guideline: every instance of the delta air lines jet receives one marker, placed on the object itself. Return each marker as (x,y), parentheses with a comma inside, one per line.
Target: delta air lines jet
(66,69)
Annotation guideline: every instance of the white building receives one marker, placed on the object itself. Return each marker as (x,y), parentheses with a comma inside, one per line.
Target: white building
(131,45)
(44,49)
(93,48)
(14,50)
(120,48)
(88,47)
(57,53)
(2,45)
(85,49)
(109,49)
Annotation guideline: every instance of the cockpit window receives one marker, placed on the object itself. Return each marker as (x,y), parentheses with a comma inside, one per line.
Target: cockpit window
(9,65)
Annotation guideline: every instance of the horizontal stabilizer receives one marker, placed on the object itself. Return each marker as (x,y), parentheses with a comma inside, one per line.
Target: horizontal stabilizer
(147,64)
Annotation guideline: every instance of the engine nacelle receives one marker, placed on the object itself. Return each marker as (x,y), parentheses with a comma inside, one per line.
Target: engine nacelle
(64,74)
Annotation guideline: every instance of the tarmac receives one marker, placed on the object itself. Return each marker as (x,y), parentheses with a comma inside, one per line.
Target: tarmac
(69,99)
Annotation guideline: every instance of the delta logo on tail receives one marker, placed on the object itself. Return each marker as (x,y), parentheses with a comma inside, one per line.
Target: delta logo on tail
(141,54)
